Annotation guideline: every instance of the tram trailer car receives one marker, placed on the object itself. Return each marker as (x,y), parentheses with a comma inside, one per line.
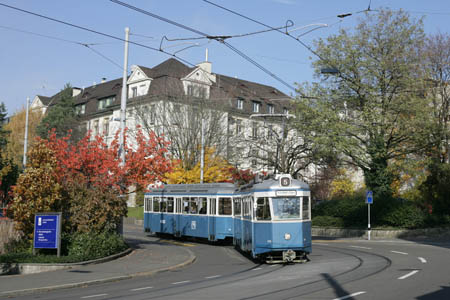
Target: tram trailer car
(196,210)
(271,220)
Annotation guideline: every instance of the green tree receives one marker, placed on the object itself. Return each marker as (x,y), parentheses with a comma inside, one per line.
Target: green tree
(372,110)
(3,132)
(61,116)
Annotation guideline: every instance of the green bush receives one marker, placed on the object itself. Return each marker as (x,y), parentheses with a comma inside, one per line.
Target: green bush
(328,221)
(93,245)
(404,215)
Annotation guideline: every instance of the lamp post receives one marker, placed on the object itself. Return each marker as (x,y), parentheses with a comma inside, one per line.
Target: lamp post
(287,116)
(25,141)
(123,100)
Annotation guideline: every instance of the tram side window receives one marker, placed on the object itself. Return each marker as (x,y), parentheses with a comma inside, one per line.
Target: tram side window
(305,208)
(185,205)
(237,207)
(193,205)
(203,203)
(156,204)
(225,206)
(148,204)
(163,205)
(263,209)
(170,205)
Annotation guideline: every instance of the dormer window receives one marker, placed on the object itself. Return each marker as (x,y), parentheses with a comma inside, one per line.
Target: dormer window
(134,92)
(196,91)
(270,109)
(256,106)
(80,109)
(105,102)
(285,111)
(240,104)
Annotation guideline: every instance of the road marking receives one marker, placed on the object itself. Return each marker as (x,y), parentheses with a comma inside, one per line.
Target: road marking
(92,296)
(423,260)
(349,296)
(180,282)
(409,274)
(178,243)
(360,247)
(215,276)
(256,269)
(398,252)
(142,288)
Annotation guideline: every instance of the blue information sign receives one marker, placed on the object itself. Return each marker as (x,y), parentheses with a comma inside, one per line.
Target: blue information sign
(369,197)
(47,230)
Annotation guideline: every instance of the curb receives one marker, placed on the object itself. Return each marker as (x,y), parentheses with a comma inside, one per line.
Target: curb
(189,261)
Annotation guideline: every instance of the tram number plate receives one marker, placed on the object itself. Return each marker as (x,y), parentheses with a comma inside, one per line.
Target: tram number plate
(286,193)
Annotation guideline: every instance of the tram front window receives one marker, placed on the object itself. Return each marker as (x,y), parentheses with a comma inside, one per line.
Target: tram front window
(262,209)
(286,208)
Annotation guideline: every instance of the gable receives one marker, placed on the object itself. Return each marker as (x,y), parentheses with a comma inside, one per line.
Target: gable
(137,75)
(199,76)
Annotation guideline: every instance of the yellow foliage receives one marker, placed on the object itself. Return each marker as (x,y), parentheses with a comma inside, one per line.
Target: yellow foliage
(216,169)
(342,185)
(16,128)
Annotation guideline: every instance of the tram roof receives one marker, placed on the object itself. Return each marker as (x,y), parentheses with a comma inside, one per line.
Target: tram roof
(272,183)
(205,188)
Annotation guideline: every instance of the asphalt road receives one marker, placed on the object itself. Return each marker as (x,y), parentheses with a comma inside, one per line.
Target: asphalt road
(339,269)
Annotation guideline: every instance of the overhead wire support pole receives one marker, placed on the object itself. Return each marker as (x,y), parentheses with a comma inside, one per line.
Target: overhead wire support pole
(25,141)
(123,100)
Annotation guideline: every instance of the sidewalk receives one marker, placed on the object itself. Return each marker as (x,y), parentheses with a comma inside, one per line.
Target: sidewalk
(149,256)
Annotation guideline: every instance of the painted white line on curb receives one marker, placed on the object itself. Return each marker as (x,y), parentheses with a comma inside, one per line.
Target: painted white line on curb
(398,252)
(349,296)
(256,269)
(409,274)
(215,276)
(92,296)
(360,247)
(180,282)
(142,288)
(423,260)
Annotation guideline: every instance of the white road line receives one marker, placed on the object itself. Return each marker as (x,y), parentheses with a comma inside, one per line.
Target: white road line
(142,288)
(360,247)
(423,260)
(398,252)
(349,296)
(273,266)
(92,296)
(180,282)
(256,269)
(409,274)
(215,276)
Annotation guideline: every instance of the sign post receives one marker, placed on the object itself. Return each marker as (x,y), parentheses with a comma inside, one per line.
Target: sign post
(369,200)
(47,231)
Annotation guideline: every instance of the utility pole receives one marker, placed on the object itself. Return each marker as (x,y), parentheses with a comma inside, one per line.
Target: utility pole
(25,142)
(123,100)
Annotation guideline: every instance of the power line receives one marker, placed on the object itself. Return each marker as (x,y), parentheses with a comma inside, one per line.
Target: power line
(95,32)
(220,39)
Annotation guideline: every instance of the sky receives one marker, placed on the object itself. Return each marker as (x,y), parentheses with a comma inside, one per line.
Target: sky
(39,56)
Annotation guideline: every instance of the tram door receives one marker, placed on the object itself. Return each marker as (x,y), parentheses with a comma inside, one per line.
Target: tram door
(178,216)
(212,219)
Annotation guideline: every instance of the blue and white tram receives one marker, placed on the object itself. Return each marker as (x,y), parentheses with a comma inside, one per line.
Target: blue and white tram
(272,220)
(197,210)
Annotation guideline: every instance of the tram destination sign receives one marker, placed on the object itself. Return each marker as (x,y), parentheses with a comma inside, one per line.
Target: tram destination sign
(286,193)
(47,231)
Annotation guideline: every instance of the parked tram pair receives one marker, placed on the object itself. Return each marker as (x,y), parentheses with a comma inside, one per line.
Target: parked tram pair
(270,219)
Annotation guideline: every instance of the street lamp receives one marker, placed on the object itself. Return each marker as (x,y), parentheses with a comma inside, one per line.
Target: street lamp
(287,116)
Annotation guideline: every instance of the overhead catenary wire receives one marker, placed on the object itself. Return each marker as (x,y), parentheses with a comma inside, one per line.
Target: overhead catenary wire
(217,38)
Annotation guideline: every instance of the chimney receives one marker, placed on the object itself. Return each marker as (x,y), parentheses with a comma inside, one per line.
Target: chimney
(103,79)
(75,91)
(207,67)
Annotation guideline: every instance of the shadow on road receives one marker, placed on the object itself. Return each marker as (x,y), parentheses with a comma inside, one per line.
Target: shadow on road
(442,294)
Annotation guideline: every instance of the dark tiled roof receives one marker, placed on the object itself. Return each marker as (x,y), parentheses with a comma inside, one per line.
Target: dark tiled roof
(166,82)
(45,100)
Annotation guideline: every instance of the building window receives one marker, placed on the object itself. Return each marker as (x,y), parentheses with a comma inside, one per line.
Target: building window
(256,106)
(95,129)
(152,116)
(240,104)
(196,91)
(254,130)
(238,126)
(106,126)
(80,109)
(270,109)
(134,92)
(285,111)
(105,102)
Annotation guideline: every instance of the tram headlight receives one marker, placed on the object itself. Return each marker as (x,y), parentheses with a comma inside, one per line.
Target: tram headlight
(287,236)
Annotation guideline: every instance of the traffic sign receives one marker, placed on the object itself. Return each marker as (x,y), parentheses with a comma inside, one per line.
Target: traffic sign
(369,197)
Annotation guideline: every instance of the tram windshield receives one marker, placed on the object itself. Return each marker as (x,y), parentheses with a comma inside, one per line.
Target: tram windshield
(286,208)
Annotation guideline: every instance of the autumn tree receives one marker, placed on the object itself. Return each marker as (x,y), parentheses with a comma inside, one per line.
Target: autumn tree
(38,189)
(372,109)
(16,133)
(216,169)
